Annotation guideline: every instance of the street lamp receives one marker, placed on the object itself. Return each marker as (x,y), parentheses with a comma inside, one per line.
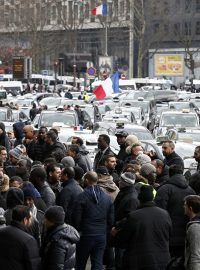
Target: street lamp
(55,74)
(74,72)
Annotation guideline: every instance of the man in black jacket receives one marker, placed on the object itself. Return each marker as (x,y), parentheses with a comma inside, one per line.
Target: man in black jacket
(18,249)
(68,195)
(93,218)
(104,149)
(171,157)
(73,151)
(59,244)
(145,235)
(54,148)
(170,197)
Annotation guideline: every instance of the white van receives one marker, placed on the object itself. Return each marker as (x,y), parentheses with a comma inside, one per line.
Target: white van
(123,84)
(12,87)
(3,97)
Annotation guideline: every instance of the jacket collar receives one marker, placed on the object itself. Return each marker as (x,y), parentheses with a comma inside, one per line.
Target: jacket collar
(68,182)
(19,225)
(147,204)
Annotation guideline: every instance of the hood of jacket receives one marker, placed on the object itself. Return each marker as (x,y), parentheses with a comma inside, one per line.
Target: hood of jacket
(94,193)
(106,181)
(4,183)
(195,219)
(67,232)
(15,196)
(18,128)
(178,180)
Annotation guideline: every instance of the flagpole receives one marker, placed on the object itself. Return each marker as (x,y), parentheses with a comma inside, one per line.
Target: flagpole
(131,40)
(106,36)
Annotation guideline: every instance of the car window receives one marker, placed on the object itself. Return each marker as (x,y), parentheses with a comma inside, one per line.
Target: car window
(48,119)
(179,120)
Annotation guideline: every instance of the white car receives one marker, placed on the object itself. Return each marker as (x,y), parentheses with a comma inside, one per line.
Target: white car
(176,119)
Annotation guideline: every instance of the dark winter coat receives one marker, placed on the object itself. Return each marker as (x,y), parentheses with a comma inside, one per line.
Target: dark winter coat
(85,155)
(47,195)
(18,131)
(125,202)
(173,159)
(145,238)
(122,152)
(194,182)
(56,150)
(18,249)
(164,176)
(99,158)
(170,197)
(36,150)
(67,198)
(4,140)
(79,161)
(93,212)
(59,248)
(33,113)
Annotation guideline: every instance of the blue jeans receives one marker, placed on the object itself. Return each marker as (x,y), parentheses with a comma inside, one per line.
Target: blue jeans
(93,247)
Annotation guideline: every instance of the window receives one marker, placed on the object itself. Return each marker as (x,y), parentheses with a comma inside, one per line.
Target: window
(197,28)
(166,28)
(156,27)
(188,29)
(53,13)
(178,4)
(121,8)
(197,5)
(188,6)
(177,28)
(166,8)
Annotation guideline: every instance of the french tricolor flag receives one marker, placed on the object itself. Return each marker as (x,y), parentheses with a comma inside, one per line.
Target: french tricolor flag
(100,10)
(108,87)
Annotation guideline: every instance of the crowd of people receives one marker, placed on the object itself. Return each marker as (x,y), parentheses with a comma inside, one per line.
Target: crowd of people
(124,211)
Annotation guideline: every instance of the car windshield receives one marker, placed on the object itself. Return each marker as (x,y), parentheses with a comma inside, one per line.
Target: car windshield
(48,119)
(179,120)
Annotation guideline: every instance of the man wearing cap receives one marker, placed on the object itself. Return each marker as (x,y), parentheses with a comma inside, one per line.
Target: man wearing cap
(121,140)
(14,156)
(105,181)
(125,202)
(145,235)
(59,244)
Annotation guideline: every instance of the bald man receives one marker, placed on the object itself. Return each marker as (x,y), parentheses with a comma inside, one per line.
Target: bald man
(28,136)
